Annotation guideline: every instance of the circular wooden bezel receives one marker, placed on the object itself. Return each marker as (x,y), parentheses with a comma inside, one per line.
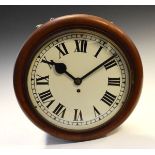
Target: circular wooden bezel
(66,23)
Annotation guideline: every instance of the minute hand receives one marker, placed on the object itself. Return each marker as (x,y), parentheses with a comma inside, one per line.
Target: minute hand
(93,70)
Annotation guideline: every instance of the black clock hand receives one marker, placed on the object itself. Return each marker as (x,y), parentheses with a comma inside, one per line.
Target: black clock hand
(61,68)
(93,70)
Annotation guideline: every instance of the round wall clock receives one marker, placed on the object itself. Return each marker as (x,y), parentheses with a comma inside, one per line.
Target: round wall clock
(78,77)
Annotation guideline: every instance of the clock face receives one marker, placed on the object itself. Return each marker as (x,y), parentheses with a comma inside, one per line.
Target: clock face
(78,80)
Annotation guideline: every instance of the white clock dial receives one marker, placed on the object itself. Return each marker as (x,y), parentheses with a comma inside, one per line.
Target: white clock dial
(89,100)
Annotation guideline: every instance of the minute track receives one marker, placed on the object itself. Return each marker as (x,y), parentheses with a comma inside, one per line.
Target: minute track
(89,121)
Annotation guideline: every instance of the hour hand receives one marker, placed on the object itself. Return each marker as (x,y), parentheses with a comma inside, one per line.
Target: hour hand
(61,68)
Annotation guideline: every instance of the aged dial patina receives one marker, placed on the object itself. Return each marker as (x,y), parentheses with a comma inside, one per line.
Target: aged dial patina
(78,80)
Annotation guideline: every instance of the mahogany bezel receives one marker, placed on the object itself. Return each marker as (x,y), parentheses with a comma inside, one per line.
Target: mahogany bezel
(66,23)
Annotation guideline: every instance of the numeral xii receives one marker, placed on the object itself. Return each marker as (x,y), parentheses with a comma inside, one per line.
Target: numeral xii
(81,46)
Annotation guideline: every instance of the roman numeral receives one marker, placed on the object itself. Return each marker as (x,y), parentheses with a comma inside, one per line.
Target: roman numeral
(60,110)
(96,112)
(62,49)
(45,96)
(108,98)
(81,46)
(42,80)
(114,81)
(44,60)
(49,103)
(98,51)
(110,63)
(77,115)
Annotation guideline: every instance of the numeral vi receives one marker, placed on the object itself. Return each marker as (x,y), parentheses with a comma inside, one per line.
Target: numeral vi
(78,115)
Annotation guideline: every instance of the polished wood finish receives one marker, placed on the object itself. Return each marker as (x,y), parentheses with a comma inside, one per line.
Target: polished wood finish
(70,22)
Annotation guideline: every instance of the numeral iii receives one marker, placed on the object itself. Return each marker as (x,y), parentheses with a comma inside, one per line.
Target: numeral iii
(114,81)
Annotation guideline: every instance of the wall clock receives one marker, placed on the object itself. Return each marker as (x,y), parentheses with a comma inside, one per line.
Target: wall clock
(78,77)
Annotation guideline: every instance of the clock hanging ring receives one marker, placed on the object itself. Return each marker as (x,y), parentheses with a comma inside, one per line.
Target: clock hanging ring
(78,77)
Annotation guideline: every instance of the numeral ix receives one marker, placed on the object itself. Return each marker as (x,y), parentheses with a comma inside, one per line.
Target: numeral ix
(42,80)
